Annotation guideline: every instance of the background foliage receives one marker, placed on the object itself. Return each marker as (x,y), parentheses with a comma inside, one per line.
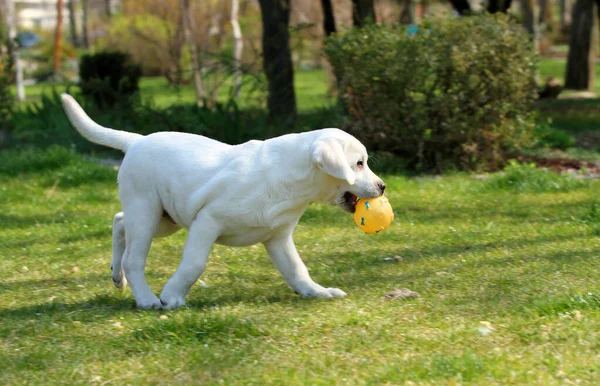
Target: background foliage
(457,94)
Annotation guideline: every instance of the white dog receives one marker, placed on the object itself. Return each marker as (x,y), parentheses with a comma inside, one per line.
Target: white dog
(232,195)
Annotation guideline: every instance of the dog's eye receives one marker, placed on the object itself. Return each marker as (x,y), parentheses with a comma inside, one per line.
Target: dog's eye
(360,164)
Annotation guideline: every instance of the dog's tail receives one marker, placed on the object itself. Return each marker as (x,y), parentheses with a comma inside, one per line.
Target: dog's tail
(94,132)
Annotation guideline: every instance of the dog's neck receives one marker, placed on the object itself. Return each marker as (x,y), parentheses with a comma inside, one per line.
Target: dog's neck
(303,182)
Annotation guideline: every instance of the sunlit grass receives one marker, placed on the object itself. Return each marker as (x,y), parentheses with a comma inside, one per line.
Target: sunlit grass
(521,265)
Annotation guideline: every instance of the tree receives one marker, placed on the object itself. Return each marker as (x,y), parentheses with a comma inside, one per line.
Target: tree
(461,6)
(188,21)
(406,16)
(73,23)
(565,14)
(328,17)
(499,6)
(58,37)
(108,8)
(362,11)
(84,23)
(159,24)
(11,21)
(238,46)
(529,21)
(277,59)
(546,15)
(581,62)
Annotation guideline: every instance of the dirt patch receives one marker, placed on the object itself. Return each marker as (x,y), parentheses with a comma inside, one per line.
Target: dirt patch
(588,139)
(585,169)
(403,293)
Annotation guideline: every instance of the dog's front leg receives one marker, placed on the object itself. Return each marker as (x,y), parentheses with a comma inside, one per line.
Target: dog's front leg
(202,234)
(283,253)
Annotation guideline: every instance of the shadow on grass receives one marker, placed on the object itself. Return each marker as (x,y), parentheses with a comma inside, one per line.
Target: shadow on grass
(86,309)
(9,221)
(83,236)
(349,271)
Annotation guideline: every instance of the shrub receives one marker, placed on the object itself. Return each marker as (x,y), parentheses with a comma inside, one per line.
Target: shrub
(7,100)
(552,137)
(7,104)
(459,93)
(56,164)
(45,123)
(14,162)
(108,78)
(527,178)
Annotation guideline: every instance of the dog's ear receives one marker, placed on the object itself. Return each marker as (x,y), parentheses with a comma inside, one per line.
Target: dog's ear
(329,156)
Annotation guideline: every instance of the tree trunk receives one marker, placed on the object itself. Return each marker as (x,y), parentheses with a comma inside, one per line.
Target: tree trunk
(188,28)
(581,63)
(328,17)
(73,23)
(58,37)
(546,16)
(217,65)
(84,24)
(461,6)
(406,15)
(499,6)
(11,21)
(238,46)
(362,12)
(277,59)
(529,21)
(108,8)
(565,14)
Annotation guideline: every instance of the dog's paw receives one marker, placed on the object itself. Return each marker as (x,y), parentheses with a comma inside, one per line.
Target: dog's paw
(119,280)
(336,293)
(149,303)
(171,299)
(317,291)
(172,303)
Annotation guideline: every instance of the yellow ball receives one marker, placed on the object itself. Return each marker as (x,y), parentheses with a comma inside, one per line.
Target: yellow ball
(373,215)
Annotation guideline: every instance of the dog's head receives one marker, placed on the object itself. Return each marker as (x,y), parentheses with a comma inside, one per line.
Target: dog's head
(343,157)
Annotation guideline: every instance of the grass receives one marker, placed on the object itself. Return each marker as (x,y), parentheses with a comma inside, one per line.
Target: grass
(505,266)
(507,277)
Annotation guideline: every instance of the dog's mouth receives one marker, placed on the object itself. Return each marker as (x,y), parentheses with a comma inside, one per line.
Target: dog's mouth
(348,202)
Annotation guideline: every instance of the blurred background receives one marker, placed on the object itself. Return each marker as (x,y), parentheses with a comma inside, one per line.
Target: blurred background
(242,69)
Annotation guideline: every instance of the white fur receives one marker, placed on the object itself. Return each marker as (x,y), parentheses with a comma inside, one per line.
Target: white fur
(232,195)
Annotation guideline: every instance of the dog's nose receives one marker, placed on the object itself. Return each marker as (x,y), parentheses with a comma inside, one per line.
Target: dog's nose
(381,186)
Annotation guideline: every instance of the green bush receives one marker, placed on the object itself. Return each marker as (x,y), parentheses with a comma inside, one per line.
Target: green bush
(45,123)
(57,165)
(459,93)
(527,178)
(553,137)
(14,162)
(108,78)
(7,100)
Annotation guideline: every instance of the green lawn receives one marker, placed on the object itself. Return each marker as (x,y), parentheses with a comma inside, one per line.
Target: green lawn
(556,68)
(507,272)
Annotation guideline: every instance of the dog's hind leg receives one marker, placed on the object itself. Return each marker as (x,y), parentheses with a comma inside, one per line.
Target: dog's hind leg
(118,250)
(165,228)
(142,218)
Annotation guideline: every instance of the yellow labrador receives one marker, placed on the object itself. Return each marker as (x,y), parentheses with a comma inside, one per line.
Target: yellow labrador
(232,195)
